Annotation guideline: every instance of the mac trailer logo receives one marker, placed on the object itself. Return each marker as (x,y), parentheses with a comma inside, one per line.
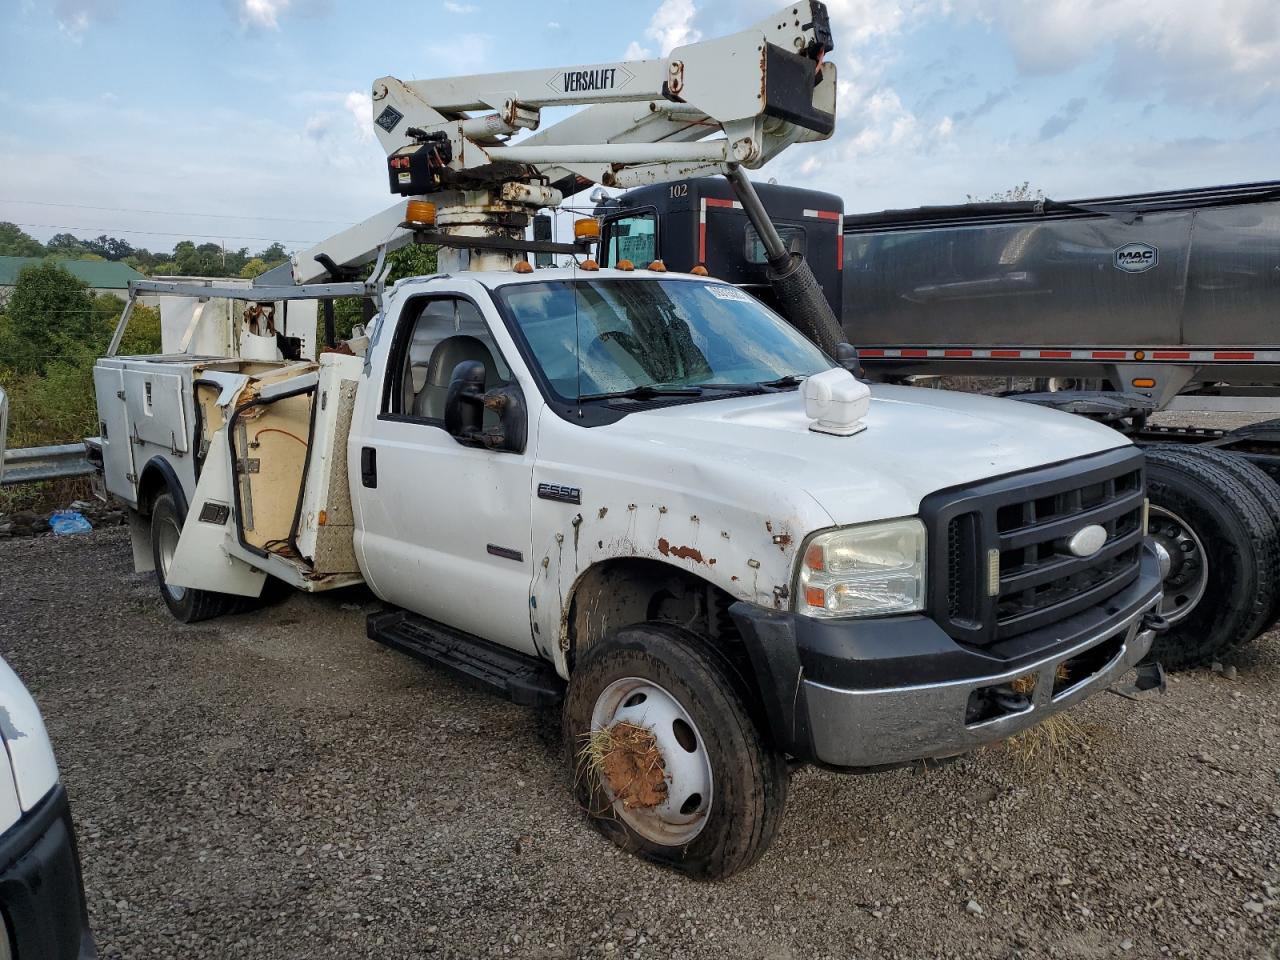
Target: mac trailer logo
(1136,257)
(1087,541)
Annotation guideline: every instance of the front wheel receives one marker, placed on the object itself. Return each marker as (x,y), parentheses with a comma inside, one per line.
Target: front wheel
(667,759)
(186,604)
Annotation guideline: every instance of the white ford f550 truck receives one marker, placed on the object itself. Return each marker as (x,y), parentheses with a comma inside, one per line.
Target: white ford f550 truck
(641,494)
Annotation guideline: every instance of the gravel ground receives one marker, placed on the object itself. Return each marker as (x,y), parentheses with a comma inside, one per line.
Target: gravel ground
(276,785)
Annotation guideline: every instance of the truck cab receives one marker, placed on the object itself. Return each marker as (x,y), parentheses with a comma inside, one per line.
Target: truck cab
(616,488)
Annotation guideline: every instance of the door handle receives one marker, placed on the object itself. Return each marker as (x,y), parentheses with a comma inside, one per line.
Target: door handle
(369,466)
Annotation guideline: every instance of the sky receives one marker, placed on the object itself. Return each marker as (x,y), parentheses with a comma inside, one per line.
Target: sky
(248,121)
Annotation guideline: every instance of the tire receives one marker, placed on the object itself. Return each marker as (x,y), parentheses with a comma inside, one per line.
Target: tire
(187,605)
(1232,537)
(1260,485)
(748,778)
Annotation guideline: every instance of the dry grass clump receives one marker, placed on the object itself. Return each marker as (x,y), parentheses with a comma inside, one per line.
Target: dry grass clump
(1039,749)
(627,759)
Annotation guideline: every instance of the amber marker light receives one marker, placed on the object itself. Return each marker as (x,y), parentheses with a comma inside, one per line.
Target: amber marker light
(421,212)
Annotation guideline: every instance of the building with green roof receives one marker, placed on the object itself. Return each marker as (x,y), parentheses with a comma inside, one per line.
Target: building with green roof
(101,276)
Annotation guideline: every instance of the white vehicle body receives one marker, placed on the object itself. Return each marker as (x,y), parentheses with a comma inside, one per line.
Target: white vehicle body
(43,904)
(725,491)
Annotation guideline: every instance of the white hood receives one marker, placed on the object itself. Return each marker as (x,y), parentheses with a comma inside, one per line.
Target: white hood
(917,441)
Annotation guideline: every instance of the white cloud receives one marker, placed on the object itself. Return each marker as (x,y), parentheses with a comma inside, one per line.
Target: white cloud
(670,26)
(453,6)
(553,24)
(74,17)
(1220,52)
(264,14)
(360,106)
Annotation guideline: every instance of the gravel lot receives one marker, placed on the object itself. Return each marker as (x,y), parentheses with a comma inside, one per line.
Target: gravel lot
(276,785)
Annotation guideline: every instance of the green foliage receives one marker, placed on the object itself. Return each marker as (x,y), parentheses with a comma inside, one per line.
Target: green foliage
(14,242)
(254,268)
(51,333)
(49,316)
(64,244)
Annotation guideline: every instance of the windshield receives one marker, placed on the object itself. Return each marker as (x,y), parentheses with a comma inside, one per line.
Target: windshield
(640,333)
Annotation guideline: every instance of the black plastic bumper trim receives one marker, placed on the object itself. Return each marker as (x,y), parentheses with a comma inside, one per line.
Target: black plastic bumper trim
(41,887)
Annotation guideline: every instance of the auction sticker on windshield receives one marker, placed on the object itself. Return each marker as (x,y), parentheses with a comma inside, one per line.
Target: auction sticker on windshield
(726,292)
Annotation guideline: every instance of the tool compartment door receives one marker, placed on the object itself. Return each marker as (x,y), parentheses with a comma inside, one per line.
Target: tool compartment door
(118,473)
(155,408)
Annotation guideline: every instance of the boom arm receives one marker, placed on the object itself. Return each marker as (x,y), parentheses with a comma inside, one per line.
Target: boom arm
(707,108)
(762,89)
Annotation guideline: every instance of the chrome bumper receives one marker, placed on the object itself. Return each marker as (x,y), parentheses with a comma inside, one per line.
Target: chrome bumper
(869,728)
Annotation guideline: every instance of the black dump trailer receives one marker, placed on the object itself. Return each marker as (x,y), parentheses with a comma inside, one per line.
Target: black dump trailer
(1156,296)
(1127,302)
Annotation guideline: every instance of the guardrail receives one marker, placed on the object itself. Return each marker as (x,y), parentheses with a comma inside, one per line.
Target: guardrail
(33,464)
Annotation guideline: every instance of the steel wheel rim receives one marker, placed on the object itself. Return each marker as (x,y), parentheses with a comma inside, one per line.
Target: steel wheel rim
(1188,576)
(683,814)
(169,535)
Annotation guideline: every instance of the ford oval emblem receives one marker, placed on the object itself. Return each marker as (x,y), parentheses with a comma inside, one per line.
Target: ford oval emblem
(1087,541)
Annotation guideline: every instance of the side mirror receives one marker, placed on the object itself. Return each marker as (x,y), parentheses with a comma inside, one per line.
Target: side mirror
(467,400)
(847,357)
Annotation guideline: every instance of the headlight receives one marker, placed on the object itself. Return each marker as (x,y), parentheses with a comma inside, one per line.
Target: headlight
(862,571)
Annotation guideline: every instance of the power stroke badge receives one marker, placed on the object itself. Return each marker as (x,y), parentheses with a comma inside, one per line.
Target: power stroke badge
(1136,257)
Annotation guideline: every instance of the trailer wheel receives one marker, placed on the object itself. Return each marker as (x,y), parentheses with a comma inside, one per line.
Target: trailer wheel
(1260,484)
(667,759)
(187,605)
(1218,546)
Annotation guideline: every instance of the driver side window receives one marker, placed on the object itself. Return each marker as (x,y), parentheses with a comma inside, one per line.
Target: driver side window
(433,338)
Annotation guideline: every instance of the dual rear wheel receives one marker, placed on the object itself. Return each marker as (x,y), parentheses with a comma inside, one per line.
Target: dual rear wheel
(1215,522)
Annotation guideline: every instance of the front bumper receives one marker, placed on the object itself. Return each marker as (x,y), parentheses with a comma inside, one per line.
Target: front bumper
(879,692)
(41,891)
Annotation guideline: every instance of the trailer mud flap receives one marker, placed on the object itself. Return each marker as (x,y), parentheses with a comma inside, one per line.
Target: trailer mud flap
(201,561)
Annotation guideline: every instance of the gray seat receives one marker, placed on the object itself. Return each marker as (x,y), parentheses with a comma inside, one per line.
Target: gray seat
(448,353)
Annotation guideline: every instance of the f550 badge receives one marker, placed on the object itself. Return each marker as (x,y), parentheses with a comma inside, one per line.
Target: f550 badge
(1136,257)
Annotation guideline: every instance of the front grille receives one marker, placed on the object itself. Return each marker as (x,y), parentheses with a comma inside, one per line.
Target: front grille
(1026,520)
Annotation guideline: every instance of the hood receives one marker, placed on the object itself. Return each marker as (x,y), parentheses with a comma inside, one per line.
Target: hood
(917,441)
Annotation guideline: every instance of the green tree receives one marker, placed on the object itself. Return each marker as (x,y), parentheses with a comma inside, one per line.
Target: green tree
(109,248)
(14,242)
(49,316)
(65,244)
(254,268)
(273,255)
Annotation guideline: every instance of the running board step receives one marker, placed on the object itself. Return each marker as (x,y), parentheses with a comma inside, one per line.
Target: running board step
(522,679)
